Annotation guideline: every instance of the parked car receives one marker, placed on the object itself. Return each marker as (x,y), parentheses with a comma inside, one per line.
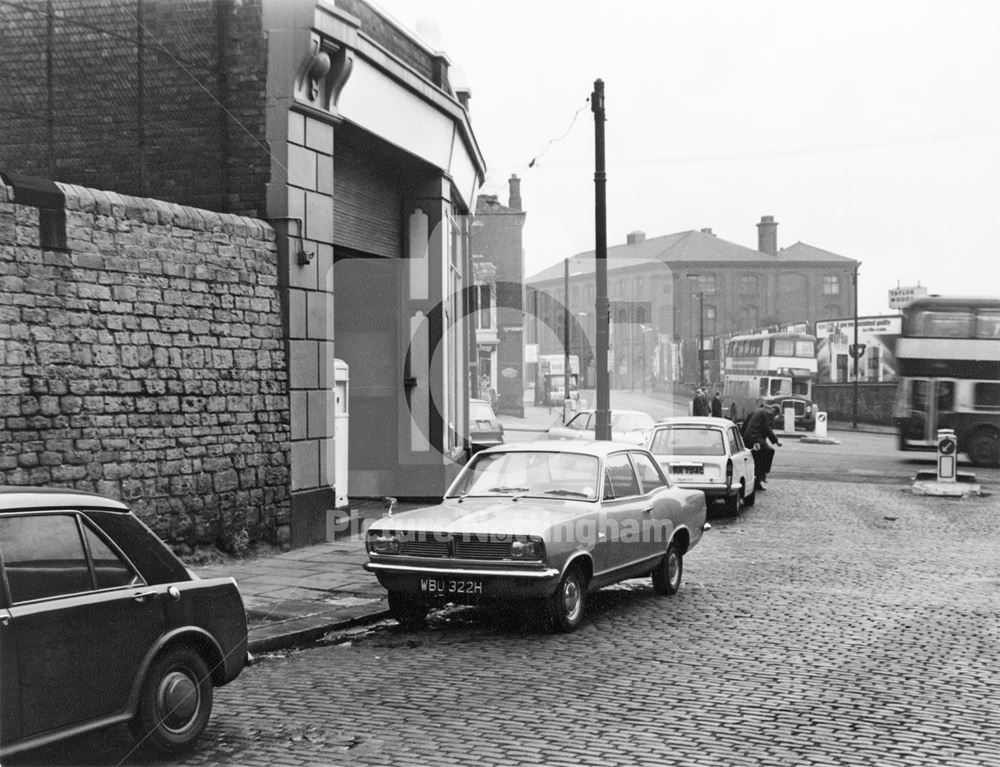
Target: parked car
(707,454)
(632,426)
(542,522)
(485,430)
(100,623)
(805,411)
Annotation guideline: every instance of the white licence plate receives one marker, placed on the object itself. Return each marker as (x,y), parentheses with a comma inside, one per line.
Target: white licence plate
(450,586)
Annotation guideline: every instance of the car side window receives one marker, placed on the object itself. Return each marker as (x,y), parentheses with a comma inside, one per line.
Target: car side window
(650,475)
(45,556)
(110,571)
(735,444)
(578,422)
(621,476)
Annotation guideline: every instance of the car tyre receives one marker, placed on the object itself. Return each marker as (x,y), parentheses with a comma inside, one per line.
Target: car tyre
(734,503)
(667,575)
(569,602)
(409,613)
(175,702)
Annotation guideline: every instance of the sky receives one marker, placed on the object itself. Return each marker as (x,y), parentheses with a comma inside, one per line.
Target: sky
(868,129)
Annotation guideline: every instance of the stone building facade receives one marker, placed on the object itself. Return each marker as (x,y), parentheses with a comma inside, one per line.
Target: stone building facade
(670,293)
(343,133)
(142,357)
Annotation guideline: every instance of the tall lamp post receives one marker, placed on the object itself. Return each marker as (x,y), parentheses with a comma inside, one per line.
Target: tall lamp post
(855,349)
(603,415)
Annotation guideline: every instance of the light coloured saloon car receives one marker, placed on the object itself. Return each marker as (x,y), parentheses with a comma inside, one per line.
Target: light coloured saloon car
(632,426)
(542,522)
(707,454)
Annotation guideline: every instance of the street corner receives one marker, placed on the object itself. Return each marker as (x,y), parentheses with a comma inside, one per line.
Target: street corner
(947,489)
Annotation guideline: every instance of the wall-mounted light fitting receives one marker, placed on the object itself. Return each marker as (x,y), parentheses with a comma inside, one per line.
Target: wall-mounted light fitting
(303,257)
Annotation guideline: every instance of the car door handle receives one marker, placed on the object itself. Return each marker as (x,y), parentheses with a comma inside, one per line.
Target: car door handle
(140,596)
(648,511)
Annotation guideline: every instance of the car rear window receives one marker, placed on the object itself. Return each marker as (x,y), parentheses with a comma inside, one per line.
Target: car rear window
(479,412)
(682,440)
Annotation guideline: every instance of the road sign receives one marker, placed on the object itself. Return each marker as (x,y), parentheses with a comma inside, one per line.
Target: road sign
(820,427)
(947,453)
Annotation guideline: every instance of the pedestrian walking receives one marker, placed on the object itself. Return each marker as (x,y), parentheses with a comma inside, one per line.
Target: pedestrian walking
(717,406)
(758,435)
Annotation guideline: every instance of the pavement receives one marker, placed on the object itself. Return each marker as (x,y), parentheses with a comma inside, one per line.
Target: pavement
(302,595)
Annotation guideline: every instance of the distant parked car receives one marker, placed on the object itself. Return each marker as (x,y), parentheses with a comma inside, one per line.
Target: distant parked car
(485,430)
(100,623)
(632,426)
(707,454)
(542,522)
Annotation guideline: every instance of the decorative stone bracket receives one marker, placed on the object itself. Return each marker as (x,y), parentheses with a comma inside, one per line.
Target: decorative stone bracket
(324,74)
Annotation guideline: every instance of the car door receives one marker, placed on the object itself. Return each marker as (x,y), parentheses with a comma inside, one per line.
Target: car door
(81,619)
(625,508)
(657,526)
(742,457)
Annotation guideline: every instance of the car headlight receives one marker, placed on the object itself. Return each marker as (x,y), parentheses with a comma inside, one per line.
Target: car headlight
(383,544)
(527,548)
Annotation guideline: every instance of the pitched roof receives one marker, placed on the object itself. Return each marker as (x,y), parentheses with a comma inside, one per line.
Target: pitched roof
(685,247)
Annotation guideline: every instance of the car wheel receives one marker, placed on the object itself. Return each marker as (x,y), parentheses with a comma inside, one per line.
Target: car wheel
(175,702)
(984,447)
(569,602)
(734,502)
(748,500)
(667,575)
(408,612)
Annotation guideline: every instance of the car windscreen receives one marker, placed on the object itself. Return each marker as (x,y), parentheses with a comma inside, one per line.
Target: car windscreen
(480,412)
(684,440)
(541,473)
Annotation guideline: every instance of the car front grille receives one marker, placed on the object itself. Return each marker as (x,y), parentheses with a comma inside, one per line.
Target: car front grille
(440,545)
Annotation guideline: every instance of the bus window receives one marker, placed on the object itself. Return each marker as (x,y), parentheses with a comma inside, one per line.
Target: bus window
(805,349)
(945,396)
(801,388)
(955,323)
(783,347)
(763,386)
(988,324)
(780,386)
(986,396)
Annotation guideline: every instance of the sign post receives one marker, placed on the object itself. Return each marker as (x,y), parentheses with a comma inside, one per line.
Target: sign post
(820,429)
(947,455)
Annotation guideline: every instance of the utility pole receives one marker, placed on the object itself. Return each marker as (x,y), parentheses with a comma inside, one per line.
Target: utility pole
(701,337)
(854,349)
(603,414)
(565,337)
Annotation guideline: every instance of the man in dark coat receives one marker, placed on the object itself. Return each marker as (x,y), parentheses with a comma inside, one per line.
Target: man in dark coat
(757,435)
(717,406)
(699,405)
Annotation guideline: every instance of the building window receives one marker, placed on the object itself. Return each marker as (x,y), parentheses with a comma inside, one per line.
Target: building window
(748,317)
(484,306)
(831,285)
(749,284)
(704,283)
(831,311)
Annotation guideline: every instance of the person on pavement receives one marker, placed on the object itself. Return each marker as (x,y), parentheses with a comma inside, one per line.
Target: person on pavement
(699,405)
(758,435)
(717,406)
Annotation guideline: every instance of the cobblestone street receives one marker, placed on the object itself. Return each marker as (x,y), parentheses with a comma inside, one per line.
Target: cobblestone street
(831,624)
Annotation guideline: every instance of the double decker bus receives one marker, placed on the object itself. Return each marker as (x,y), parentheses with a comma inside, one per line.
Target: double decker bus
(777,367)
(948,359)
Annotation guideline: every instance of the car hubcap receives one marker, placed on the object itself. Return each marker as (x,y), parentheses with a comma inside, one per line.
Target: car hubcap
(178,699)
(673,570)
(571,598)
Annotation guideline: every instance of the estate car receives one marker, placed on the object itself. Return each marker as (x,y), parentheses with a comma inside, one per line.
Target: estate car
(707,454)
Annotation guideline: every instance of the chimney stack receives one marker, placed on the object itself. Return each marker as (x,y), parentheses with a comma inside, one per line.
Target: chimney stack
(767,235)
(634,238)
(515,193)
(707,230)
(463,95)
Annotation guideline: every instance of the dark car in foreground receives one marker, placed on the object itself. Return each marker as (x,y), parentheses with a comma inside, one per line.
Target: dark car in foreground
(100,624)
(541,522)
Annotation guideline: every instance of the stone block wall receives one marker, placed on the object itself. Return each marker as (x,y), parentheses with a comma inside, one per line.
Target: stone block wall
(145,361)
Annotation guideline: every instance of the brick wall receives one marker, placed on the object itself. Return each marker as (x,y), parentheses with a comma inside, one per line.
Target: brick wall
(145,362)
(159,98)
